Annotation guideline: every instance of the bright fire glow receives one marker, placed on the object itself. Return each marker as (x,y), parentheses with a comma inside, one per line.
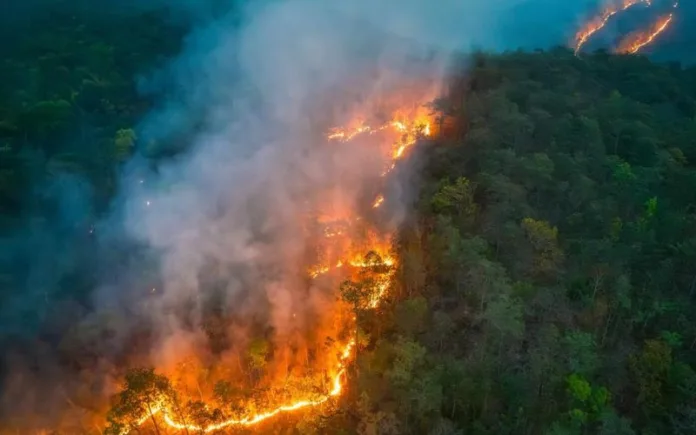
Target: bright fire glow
(370,257)
(640,40)
(597,23)
(256,418)
(378,201)
(410,133)
(636,41)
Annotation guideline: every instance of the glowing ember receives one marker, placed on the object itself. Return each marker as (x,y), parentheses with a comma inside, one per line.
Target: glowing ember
(411,132)
(318,271)
(348,135)
(378,201)
(635,41)
(596,24)
(359,262)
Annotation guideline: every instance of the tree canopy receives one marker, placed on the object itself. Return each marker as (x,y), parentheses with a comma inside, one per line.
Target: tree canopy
(545,282)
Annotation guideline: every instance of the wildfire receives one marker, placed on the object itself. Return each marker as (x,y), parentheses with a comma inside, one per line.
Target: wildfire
(633,43)
(358,262)
(361,263)
(409,133)
(348,135)
(597,23)
(640,40)
(354,258)
(318,271)
(256,418)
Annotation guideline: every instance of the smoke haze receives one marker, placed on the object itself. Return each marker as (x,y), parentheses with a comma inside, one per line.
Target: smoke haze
(231,210)
(222,226)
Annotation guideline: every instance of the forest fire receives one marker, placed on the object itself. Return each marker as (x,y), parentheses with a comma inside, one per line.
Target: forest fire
(599,22)
(355,251)
(169,419)
(635,42)
(303,217)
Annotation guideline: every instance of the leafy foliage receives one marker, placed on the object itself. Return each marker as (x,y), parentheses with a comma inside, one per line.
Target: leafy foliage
(559,286)
(546,285)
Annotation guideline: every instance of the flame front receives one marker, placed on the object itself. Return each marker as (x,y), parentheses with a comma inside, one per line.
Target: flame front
(256,418)
(348,257)
(599,22)
(636,41)
(642,39)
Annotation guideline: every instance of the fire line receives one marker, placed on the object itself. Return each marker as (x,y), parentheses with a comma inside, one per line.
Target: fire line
(598,23)
(635,42)
(409,132)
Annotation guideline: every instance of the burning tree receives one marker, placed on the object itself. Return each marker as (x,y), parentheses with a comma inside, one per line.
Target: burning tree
(281,372)
(367,290)
(144,395)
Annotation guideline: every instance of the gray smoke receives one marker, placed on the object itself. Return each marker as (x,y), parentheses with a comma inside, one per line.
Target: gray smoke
(232,209)
(251,97)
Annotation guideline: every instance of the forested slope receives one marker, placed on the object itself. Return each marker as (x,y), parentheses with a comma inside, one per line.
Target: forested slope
(69,104)
(548,284)
(65,93)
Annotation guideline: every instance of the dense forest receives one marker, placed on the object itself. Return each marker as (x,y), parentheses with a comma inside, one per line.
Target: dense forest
(545,283)
(551,287)
(68,106)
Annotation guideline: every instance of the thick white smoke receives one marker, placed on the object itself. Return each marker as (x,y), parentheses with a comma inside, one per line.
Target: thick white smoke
(233,210)
(224,224)
(229,216)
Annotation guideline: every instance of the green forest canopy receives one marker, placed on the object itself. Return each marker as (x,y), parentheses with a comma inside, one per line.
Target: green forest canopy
(547,282)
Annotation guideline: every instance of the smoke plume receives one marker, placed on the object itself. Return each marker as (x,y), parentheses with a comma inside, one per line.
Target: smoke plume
(226,221)
(219,232)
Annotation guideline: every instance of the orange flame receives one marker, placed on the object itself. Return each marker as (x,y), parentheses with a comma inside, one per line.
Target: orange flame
(256,418)
(354,260)
(634,43)
(597,23)
(378,201)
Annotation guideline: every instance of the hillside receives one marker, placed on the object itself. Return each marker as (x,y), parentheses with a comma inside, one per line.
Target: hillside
(554,238)
(523,265)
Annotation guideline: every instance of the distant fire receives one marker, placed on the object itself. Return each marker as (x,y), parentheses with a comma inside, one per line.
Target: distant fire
(599,22)
(634,42)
